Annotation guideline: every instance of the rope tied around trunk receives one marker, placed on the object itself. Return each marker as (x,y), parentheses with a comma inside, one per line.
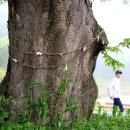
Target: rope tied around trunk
(84,48)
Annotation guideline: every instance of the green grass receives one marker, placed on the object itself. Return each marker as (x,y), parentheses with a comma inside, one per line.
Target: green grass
(99,121)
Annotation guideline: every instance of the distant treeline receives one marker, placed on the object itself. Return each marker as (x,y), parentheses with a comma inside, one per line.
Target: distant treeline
(3,51)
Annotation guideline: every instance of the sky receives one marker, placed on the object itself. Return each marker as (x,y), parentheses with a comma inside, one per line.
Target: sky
(3,19)
(113,16)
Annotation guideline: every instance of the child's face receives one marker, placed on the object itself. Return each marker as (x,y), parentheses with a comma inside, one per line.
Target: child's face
(118,76)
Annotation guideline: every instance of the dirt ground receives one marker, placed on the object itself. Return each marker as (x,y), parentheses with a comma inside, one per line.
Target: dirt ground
(104,99)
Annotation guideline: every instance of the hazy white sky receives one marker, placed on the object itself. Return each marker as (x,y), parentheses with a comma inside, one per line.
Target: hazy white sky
(113,16)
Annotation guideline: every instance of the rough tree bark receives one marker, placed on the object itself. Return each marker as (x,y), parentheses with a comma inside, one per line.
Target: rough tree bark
(52,26)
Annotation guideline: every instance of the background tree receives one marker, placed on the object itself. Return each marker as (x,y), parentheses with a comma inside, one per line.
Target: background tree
(46,37)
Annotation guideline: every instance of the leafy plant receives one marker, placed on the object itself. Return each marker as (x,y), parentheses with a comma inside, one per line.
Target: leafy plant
(99,121)
(4,114)
(2,1)
(125,43)
(109,60)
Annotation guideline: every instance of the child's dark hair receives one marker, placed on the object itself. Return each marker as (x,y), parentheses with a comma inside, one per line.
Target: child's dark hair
(118,72)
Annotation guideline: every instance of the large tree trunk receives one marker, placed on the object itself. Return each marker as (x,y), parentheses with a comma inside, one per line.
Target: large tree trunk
(52,26)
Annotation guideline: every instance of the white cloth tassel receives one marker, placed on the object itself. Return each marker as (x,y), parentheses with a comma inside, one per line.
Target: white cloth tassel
(61,54)
(66,67)
(38,53)
(98,38)
(84,48)
(103,42)
(15,60)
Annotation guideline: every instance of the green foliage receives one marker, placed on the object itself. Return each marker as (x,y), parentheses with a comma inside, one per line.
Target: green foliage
(38,111)
(116,49)
(4,114)
(99,121)
(125,43)
(109,60)
(2,1)
(41,107)
(72,106)
(103,121)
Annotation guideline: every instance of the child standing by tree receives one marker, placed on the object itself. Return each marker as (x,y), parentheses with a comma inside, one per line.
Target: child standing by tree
(114,91)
